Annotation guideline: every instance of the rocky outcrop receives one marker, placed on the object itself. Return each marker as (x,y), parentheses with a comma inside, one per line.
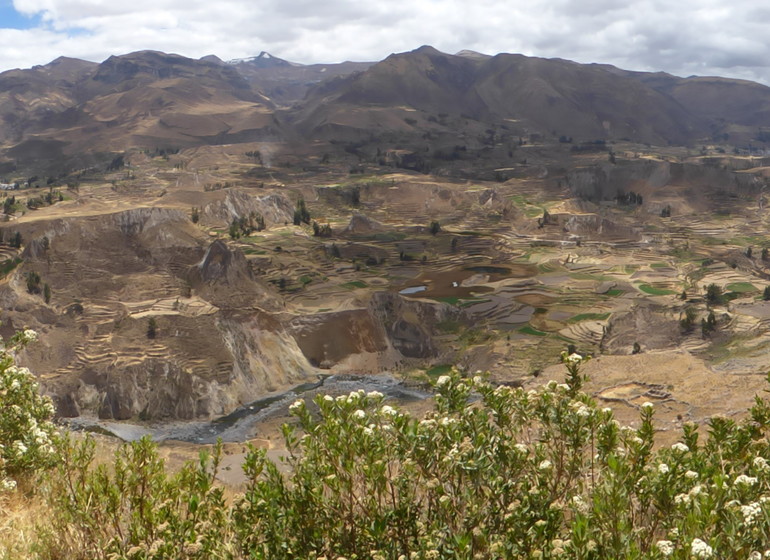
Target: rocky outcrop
(328,338)
(220,265)
(362,225)
(274,208)
(410,325)
(224,278)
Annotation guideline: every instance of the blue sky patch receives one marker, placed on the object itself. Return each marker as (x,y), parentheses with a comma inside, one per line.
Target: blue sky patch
(11,19)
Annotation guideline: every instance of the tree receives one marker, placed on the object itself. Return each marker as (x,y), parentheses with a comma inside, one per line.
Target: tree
(195,215)
(766,294)
(301,213)
(235,230)
(713,294)
(686,322)
(9,205)
(47,292)
(324,230)
(709,324)
(435,227)
(152,328)
(16,240)
(33,282)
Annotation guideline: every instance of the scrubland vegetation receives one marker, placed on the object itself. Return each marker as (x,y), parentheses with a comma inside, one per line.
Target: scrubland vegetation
(489,472)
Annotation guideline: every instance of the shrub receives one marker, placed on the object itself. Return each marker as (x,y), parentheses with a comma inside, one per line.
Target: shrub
(714,294)
(490,472)
(26,432)
(136,509)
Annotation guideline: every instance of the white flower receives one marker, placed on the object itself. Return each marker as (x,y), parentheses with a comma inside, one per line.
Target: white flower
(579,504)
(328,398)
(374,395)
(747,480)
(574,358)
(30,335)
(359,414)
(20,447)
(648,405)
(296,405)
(680,447)
(583,411)
(443,380)
(563,386)
(663,468)
(544,465)
(700,549)
(755,555)
(682,499)
(606,410)
(7,485)
(751,512)
(389,411)
(521,448)
(697,489)
(692,475)
(761,464)
(666,548)
(368,431)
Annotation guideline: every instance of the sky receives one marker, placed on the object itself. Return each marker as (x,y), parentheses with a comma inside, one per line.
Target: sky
(683,37)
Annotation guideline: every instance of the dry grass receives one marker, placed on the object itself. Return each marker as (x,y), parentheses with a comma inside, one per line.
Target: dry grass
(22,512)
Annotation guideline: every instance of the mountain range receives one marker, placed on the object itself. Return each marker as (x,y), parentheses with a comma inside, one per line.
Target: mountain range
(71,112)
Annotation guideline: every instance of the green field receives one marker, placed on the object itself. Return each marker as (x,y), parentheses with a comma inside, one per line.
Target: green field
(528,329)
(741,287)
(653,291)
(588,317)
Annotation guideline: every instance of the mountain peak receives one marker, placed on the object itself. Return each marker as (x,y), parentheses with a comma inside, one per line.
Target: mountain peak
(263,60)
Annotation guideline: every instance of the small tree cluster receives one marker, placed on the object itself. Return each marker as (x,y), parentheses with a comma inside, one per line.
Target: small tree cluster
(152,328)
(631,198)
(714,294)
(687,322)
(33,282)
(709,324)
(301,213)
(15,240)
(246,225)
(322,230)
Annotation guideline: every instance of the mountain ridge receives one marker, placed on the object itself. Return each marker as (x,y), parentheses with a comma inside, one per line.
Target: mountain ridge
(150,99)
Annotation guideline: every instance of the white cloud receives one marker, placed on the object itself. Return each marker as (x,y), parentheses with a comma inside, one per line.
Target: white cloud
(686,37)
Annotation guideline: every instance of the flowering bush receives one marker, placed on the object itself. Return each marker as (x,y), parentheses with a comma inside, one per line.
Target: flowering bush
(26,432)
(491,472)
(134,509)
(515,474)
